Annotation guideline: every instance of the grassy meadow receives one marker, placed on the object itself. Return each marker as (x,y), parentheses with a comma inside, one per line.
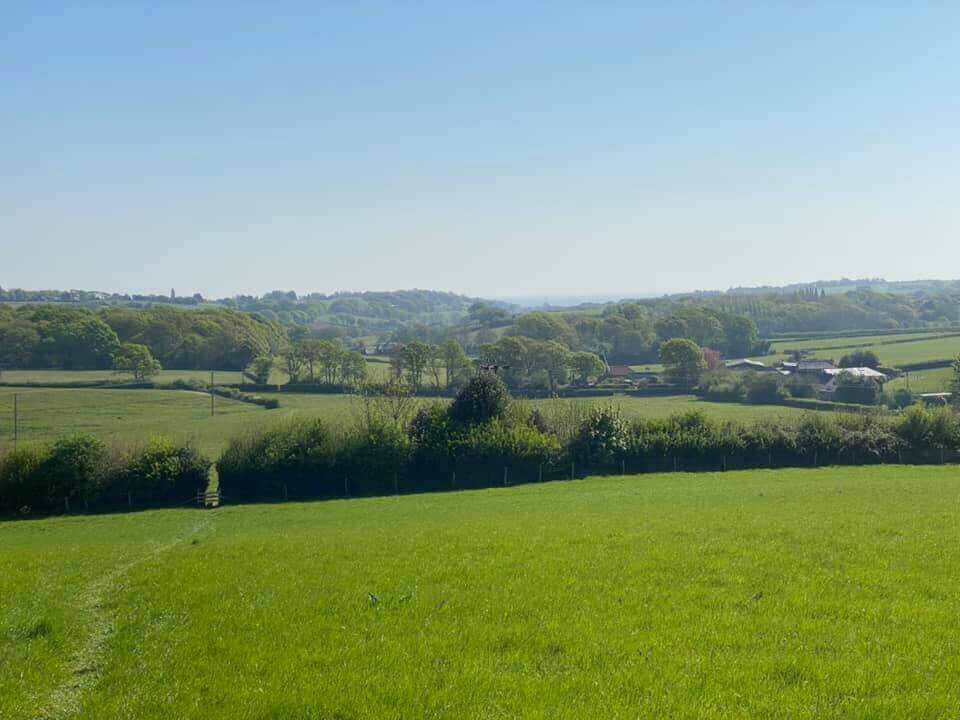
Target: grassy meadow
(893,350)
(829,593)
(134,415)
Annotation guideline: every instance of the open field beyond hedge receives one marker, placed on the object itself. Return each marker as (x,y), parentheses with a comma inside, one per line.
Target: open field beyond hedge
(796,593)
(133,415)
(893,350)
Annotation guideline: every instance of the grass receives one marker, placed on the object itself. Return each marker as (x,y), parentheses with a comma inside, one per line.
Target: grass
(134,415)
(924,381)
(893,350)
(827,593)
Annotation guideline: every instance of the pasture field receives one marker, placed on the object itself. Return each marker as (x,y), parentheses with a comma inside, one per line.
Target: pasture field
(134,415)
(828,593)
(923,381)
(63,376)
(914,348)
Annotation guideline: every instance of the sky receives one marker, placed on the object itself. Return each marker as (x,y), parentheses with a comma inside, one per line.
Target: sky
(493,149)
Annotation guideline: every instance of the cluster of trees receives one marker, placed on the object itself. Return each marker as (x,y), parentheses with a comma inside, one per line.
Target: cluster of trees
(421,364)
(317,361)
(199,339)
(72,338)
(80,472)
(535,364)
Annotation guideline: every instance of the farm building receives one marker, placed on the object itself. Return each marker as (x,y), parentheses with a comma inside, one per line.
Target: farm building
(744,364)
(838,379)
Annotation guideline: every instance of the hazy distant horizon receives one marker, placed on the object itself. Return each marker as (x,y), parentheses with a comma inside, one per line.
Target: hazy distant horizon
(524,300)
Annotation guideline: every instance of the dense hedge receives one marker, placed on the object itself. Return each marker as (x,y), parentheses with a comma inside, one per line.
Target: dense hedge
(483,441)
(80,472)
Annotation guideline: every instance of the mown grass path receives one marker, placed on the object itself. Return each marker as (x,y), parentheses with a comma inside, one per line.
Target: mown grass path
(60,583)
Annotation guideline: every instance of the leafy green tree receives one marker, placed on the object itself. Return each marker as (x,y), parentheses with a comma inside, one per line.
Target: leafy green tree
(310,352)
(740,335)
(552,359)
(683,361)
(482,399)
(456,364)
(585,365)
(671,327)
(136,360)
(416,355)
(353,368)
(544,326)
(293,363)
(260,369)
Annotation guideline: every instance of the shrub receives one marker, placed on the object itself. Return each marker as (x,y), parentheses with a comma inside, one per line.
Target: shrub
(601,440)
(76,468)
(764,388)
(160,472)
(21,479)
(722,386)
(294,458)
(374,459)
(482,399)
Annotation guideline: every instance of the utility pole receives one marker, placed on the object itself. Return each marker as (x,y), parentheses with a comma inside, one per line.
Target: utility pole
(211,394)
(16,421)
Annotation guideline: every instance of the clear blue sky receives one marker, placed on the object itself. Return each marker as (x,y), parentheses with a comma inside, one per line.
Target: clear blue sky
(488,148)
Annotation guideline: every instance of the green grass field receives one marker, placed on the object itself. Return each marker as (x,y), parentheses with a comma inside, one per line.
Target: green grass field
(919,347)
(827,593)
(134,415)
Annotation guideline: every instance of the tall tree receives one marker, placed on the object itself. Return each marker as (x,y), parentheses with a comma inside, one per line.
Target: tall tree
(683,361)
(135,360)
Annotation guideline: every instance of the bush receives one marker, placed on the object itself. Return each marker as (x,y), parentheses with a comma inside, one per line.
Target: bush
(482,399)
(21,479)
(80,471)
(160,472)
(764,388)
(374,460)
(601,441)
(722,386)
(293,459)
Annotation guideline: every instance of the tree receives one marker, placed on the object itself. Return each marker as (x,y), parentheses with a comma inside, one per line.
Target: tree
(353,368)
(455,362)
(260,369)
(552,359)
(671,327)
(310,352)
(584,365)
(415,356)
(683,361)
(740,335)
(137,360)
(483,399)
(544,326)
(293,363)
(860,358)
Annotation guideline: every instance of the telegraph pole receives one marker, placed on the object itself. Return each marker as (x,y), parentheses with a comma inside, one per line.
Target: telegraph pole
(15,421)
(211,394)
